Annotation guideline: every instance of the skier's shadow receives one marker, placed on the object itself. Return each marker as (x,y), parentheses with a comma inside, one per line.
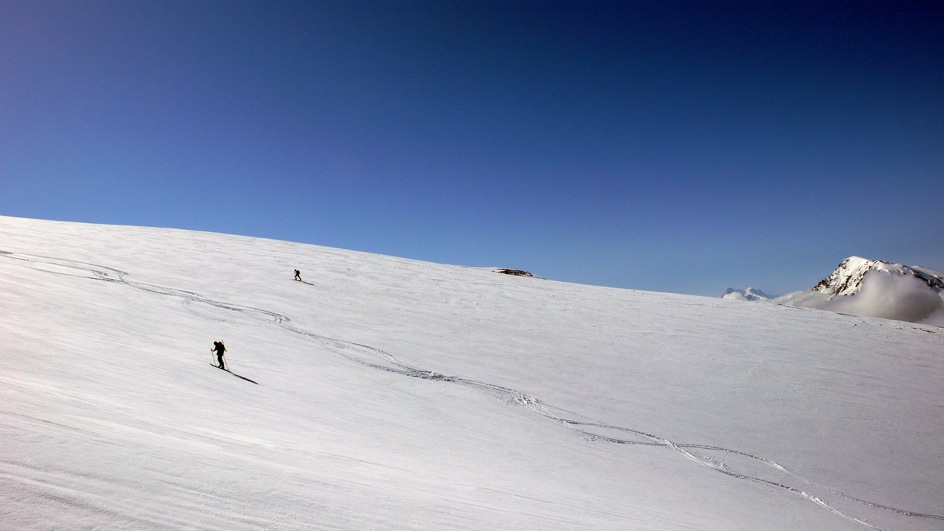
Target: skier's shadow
(241,377)
(305,282)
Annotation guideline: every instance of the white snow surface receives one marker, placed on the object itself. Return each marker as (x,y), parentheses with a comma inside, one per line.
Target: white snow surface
(875,288)
(389,393)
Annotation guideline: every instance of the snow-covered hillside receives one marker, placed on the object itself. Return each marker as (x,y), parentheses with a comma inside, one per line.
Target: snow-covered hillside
(386,393)
(877,288)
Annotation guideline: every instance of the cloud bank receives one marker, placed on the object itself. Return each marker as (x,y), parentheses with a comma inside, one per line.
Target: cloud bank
(899,297)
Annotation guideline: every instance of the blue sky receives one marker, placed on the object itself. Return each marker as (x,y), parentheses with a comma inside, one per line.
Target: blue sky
(667,145)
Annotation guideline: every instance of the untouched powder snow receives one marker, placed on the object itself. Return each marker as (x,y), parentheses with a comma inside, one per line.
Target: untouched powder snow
(385,393)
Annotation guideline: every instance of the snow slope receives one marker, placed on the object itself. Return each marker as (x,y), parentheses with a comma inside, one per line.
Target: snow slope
(388,393)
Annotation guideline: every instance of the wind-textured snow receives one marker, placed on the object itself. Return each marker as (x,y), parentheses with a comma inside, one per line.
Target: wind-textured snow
(386,393)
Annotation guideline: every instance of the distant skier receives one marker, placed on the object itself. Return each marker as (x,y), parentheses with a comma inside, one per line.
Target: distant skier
(298,275)
(220,350)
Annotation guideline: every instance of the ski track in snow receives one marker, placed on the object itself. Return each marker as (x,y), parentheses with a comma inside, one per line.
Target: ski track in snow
(589,429)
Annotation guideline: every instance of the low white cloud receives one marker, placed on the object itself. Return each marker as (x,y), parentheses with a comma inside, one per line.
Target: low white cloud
(899,297)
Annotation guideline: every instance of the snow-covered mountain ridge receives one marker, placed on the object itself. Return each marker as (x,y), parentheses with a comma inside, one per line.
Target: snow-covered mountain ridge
(397,394)
(749,294)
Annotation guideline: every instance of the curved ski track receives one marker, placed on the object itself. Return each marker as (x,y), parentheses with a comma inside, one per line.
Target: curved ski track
(589,429)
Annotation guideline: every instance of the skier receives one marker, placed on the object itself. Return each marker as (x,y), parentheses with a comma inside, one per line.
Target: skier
(219,349)
(298,275)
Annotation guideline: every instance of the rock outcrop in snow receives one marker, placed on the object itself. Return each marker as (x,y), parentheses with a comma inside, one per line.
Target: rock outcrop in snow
(876,288)
(515,272)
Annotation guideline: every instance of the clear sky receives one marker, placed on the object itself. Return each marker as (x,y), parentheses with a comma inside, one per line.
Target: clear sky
(663,145)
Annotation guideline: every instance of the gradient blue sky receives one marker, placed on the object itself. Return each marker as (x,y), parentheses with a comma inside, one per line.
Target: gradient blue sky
(666,145)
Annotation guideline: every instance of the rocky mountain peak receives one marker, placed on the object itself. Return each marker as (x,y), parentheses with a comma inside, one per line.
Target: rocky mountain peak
(848,276)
